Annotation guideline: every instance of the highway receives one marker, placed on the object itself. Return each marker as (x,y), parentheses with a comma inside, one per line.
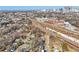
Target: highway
(71,41)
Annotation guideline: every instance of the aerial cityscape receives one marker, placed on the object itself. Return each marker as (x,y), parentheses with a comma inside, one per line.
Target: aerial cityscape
(39,29)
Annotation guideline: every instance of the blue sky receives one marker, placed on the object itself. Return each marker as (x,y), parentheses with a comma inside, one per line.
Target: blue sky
(29,7)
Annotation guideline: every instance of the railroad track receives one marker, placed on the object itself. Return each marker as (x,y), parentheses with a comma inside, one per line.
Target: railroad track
(71,41)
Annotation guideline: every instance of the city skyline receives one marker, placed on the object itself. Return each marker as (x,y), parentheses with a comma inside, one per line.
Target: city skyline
(29,7)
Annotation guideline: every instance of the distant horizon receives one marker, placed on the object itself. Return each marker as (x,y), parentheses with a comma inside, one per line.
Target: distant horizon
(29,7)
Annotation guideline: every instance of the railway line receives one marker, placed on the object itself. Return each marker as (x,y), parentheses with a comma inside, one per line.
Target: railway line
(71,41)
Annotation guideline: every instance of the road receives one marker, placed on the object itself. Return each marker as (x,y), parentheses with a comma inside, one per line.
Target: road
(70,40)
